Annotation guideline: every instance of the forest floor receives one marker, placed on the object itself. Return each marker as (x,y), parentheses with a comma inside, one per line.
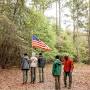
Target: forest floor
(11,79)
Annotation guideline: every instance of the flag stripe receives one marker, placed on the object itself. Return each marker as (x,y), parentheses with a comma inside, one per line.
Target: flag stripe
(39,44)
(35,43)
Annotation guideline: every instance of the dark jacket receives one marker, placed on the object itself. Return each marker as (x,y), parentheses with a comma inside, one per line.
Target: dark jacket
(56,69)
(41,61)
(25,65)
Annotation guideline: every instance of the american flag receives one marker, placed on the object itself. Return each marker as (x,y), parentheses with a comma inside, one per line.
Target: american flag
(37,43)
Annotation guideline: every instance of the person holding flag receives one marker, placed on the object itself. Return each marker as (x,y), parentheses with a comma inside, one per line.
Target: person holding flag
(37,43)
(41,65)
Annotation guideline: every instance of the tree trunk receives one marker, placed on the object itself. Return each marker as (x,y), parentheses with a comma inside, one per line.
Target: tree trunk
(59,13)
(89,34)
(15,9)
(74,32)
(56,16)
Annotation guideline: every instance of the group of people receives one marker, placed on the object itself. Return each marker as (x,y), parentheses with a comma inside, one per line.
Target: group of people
(31,64)
(34,62)
(67,71)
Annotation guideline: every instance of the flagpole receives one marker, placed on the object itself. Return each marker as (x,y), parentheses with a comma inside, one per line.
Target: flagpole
(33,53)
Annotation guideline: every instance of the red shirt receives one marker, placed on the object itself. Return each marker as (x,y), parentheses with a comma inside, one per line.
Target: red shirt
(68,65)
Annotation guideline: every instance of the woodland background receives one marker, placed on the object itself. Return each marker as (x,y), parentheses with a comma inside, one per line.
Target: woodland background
(18,22)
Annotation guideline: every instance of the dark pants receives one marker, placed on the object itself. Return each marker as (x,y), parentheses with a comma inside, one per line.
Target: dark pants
(25,76)
(69,74)
(41,74)
(33,74)
(57,82)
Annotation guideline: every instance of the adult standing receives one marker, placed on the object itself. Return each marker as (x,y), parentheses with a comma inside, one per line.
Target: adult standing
(41,65)
(33,66)
(56,71)
(68,69)
(25,66)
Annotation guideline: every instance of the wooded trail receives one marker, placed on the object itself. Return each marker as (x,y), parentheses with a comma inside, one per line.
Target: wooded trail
(11,79)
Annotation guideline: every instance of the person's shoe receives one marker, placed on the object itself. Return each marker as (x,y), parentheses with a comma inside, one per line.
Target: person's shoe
(39,81)
(42,81)
(69,87)
(65,86)
(32,82)
(24,82)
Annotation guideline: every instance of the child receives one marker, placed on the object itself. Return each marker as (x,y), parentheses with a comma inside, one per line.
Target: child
(56,72)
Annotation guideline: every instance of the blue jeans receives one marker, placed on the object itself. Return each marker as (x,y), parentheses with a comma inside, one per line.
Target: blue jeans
(41,74)
(25,76)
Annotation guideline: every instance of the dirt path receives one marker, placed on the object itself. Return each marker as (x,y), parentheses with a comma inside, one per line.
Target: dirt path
(12,80)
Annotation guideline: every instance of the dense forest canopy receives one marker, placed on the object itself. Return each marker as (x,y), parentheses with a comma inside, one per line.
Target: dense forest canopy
(18,22)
